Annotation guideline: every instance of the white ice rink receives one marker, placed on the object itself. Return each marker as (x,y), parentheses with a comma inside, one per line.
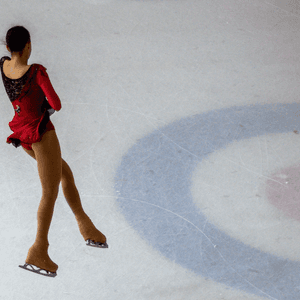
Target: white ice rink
(179,121)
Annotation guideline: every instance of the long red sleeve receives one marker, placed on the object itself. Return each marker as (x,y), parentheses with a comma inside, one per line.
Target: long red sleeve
(45,84)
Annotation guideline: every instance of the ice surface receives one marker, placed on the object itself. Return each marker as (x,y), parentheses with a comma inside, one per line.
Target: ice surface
(124,69)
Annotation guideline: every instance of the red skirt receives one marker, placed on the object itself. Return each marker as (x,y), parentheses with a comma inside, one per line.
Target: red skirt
(31,132)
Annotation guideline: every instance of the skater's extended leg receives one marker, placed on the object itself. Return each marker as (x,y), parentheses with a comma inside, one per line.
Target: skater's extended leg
(70,191)
(86,227)
(69,188)
(48,156)
(71,194)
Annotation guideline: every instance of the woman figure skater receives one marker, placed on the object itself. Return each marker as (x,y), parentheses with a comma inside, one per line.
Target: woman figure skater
(28,88)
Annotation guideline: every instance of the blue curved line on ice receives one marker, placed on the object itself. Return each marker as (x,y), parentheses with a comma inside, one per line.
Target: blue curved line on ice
(154,180)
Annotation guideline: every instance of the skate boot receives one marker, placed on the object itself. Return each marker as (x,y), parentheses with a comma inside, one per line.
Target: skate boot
(38,261)
(91,234)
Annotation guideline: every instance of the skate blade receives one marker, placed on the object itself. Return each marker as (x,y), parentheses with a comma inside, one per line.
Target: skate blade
(97,245)
(39,271)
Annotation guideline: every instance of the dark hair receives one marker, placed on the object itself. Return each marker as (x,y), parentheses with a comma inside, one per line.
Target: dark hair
(16,38)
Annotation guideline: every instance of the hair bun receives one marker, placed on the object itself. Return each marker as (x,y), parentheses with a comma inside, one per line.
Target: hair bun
(16,38)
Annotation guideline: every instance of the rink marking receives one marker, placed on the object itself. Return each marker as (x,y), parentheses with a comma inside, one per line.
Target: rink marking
(207,239)
(158,169)
(236,200)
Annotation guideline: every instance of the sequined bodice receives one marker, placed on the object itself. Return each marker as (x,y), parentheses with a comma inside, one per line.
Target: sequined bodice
(13,87)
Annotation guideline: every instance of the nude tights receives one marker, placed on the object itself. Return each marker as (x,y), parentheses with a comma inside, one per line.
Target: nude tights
(53,170)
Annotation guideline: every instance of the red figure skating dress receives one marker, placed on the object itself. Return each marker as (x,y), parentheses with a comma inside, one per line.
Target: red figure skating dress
(29,95)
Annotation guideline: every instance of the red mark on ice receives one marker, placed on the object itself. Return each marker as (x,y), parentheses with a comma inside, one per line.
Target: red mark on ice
(285,196)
